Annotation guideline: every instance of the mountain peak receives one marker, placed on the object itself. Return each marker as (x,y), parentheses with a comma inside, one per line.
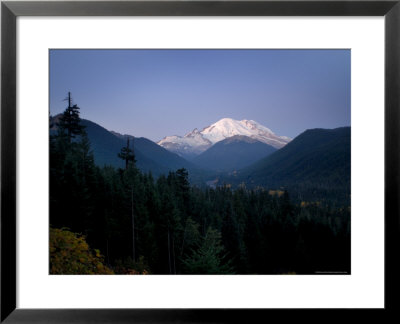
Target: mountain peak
(196,142)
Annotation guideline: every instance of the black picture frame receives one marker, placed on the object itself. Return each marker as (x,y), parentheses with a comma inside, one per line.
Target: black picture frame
(10,10)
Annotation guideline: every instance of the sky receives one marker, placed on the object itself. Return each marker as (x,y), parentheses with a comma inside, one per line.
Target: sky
(157,93)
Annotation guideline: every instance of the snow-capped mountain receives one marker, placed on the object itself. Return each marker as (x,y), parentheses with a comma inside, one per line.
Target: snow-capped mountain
(196,141)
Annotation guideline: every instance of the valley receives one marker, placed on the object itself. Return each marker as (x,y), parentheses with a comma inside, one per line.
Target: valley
(199,162)
(313,166)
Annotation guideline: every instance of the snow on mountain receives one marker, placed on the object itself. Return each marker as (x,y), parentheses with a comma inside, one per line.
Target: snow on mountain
(196,141)
(190,145)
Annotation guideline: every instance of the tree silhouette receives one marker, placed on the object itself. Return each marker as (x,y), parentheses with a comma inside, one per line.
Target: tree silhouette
(127,155)
(70,121)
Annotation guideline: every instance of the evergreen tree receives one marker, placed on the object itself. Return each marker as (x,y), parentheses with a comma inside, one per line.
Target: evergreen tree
(209,257)
(191,236)
(70,121)
(127,155)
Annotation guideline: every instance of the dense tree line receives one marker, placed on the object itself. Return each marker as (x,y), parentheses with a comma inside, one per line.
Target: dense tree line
(166,226)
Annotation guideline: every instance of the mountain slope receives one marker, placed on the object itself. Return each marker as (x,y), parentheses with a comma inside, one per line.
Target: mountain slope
(196,142)
(318,160)
(157,153)
(106,147)
(233,153)
(149,156)
(315,155)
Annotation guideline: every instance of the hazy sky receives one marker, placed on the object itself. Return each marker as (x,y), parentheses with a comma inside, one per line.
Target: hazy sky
(155,93)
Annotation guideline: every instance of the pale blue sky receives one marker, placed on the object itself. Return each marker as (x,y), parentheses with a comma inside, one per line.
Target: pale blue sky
(155,93)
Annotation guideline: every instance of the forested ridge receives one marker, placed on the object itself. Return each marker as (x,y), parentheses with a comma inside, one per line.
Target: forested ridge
(125,221)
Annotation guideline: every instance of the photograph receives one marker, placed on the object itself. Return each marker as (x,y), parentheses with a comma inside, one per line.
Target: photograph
(200,161)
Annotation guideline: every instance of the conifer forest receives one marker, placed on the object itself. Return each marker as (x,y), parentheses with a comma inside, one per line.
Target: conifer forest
(125,219)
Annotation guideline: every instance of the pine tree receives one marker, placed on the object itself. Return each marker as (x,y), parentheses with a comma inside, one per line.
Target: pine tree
(70,121)
(209,257)
(127,155)
(130,173)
